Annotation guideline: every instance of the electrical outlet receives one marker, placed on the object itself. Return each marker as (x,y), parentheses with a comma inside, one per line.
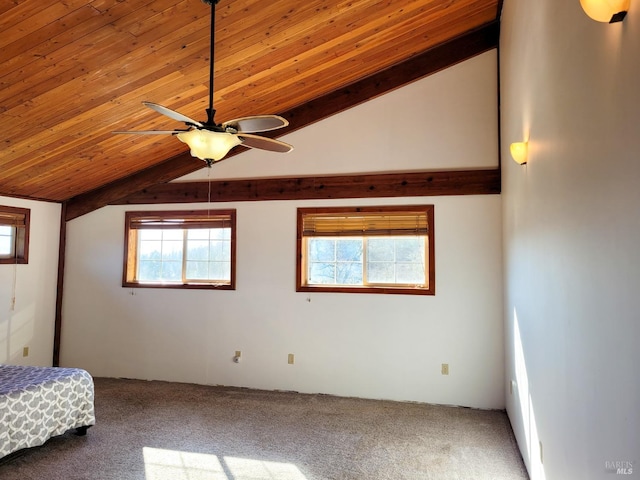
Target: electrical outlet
(25,351)
(290,359)
(445,369)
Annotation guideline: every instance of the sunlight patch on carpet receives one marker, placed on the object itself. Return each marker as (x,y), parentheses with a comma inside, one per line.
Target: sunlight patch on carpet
(247,469)
(163,464)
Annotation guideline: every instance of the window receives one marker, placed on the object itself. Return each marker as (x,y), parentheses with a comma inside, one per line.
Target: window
(14,234)
(366,250)
(180,249)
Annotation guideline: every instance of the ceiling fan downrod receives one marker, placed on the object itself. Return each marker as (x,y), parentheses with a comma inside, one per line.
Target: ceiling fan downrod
(211,111)
(210,141)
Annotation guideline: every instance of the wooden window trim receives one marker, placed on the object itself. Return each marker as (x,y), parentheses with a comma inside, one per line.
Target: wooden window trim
(21,219)
(128,274)
(430,246)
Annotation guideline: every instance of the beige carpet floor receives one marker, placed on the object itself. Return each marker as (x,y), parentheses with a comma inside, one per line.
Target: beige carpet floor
(171,431)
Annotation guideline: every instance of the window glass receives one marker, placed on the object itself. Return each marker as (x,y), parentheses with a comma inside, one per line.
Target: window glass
(396,260)
(14,234)
(6,240)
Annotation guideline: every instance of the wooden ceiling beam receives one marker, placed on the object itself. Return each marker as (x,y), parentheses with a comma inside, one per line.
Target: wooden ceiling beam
(433,60)
(410,184)
(163,172)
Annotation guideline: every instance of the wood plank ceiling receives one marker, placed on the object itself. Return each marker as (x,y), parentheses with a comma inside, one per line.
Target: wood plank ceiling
(73,71)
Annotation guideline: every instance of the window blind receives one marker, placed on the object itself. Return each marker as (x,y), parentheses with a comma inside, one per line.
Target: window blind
(179,220)
(368,224)
(12,219)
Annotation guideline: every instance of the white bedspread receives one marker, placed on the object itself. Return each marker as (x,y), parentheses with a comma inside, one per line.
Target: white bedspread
(37,403)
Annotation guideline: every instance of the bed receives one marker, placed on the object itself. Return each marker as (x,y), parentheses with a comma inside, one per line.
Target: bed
(37,403)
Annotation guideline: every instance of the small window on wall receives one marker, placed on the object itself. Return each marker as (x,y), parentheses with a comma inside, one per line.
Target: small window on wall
(180,249)
(14,234)
(366,250)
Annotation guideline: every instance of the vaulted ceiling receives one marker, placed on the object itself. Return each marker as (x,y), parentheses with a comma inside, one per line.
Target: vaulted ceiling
(72,72)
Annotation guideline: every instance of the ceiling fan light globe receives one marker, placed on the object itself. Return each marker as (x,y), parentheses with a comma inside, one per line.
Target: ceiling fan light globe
(208,145)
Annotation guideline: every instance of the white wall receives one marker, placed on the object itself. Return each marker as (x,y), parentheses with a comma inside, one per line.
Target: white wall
(376,346)
(571,237)
(445,121)
(30,322)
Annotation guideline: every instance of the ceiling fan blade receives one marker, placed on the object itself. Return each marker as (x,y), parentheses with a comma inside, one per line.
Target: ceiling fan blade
(154,132)
(172,114)
(264,143)
(256,123)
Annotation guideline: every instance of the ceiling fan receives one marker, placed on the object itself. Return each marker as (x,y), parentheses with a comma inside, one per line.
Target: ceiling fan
(211,141)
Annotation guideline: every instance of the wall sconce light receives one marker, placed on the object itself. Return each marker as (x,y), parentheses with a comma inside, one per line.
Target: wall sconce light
(519,152)
(611,11)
